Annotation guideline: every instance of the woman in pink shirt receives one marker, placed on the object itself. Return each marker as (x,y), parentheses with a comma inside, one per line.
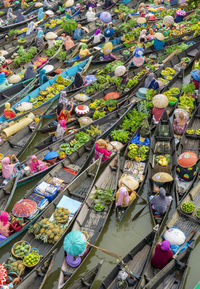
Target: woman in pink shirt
(101,149)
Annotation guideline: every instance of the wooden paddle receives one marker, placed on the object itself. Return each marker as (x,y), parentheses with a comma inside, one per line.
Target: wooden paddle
(170,56)
(139,213)
(188,239)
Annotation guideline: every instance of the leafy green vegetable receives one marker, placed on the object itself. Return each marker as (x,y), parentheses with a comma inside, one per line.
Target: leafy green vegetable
(120,135)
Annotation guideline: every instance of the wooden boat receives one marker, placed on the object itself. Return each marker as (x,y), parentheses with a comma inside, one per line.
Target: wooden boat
(67,170)
(87,280)
(173,275)
(14,25)
(38,277)
(187,224)
(135,260)
(69,73)
(7,193)
(188,143)
(89,220)
(162,145)
(21,140)
(127,166)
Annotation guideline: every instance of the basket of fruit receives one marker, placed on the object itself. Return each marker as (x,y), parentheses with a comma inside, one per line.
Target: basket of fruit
(198,213)
(77,146)
(31,259)
(190,132)
(61,215)
(172,100)
(20,249)
(64,146)
(188,207)
(99,207)
(198,132)
(69,151)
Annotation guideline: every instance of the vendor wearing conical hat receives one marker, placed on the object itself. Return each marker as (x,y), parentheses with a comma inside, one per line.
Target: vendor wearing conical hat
(159,42)
(160,102)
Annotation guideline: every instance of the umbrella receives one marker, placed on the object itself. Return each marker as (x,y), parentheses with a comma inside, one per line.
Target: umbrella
(141,20)
(187,159)
(3,274)
(160,101)
(24,208)
(168,20)
(150,16)
(196,75)
(89,79)
(51,155)
(105,17)
(75,243)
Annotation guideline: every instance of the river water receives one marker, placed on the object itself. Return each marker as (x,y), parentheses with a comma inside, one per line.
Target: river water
(116,237)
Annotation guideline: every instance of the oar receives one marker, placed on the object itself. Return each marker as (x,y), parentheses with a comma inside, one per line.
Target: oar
(188,238)
(139,213)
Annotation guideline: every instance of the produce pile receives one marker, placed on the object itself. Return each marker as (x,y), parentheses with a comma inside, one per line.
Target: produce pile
(21,249)
(162,160)
(46,231)
(188,207)
(138,152)
(31,259)
(61,215)
(103,196)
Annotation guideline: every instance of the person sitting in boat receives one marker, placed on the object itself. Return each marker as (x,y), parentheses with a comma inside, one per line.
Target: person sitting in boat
(151,82)
(40,38)
(121,72)
(78,80)
(108,33)
(66,112)
(98,37)
(29,73)
(30,28)
(161,203)
(10,168)
(75,261)
(69,43)
(40,14)
(101,149)
(42,77)
(138,58)
(20,16)
(91,15)
(3,82)
(160,102)
(59,109)
(180,122)
(8,112)
(196,78)
(162,256)
(108,4)
(36,165)
(142,9)
(107,51)
(123,198)
(61,129)
(91,3)
(84,51)
(4,226)
(78,32)
(10,16)
(158,42)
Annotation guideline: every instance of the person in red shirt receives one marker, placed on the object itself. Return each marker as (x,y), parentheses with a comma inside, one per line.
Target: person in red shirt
(8,112)
(162,256)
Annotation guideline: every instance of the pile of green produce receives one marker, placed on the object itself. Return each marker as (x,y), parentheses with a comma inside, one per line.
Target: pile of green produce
(104,196)
(172,91)
(93,131)
(133,120)
(31,259)
(186,103)
(135,80)
(69,151)
(82,137)
(138,152)
(51,51)
(120,135)
(188,207)
(25,56)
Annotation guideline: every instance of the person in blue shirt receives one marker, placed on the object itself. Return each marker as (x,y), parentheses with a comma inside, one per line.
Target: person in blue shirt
(78,32)
(42,77)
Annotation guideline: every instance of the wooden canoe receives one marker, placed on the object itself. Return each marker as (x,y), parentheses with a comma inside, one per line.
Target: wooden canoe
(87,280)
(16,25)
(188,143)
(38,277)
(187,225)
(135,260)
(66,170)
(162,144)
(77,190)
(89,220)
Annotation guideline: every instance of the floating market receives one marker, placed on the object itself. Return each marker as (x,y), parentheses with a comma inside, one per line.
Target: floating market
(99,144)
